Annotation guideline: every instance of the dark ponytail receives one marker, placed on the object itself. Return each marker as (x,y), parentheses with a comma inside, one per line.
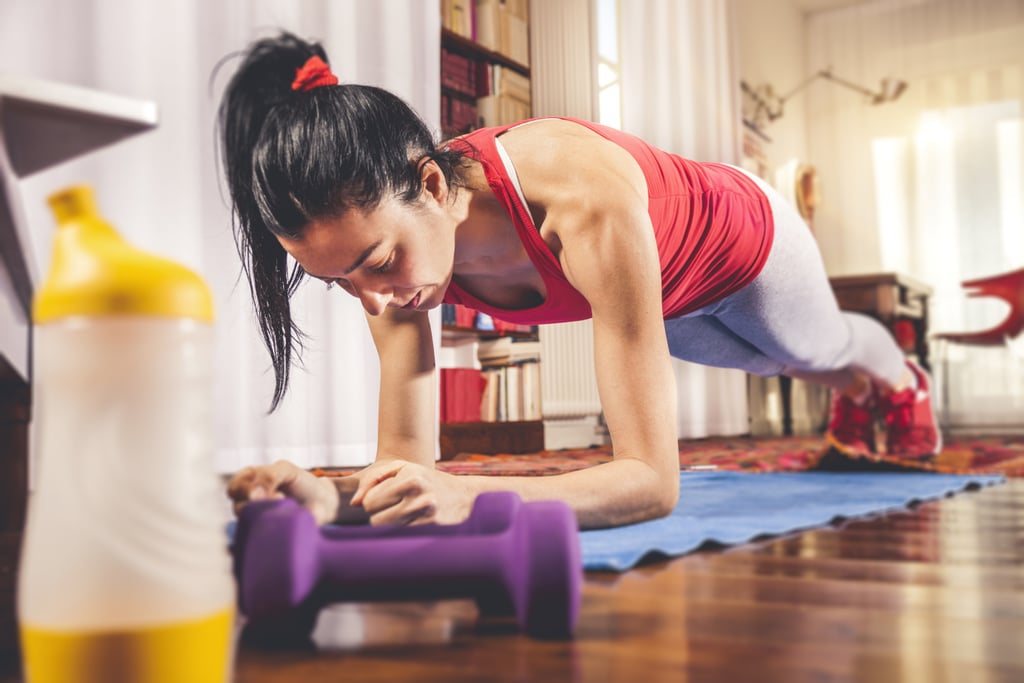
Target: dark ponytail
(291,157)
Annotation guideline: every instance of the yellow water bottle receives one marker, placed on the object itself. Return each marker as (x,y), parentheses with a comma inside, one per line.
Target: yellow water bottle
(125,574)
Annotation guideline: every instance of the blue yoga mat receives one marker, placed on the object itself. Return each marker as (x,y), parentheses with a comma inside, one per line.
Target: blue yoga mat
(735,507)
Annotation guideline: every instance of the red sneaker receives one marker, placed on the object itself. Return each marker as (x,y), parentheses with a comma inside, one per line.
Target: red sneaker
(911,427)
(852,428)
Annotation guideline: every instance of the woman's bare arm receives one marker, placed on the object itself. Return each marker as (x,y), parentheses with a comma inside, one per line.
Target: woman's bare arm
(406,412)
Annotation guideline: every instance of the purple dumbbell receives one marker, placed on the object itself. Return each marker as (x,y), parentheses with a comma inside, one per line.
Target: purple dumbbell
(512,557)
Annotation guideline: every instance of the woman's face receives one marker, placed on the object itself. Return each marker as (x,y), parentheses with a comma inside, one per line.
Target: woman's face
(397,255)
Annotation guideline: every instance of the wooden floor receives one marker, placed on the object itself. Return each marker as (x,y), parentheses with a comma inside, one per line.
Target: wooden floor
(928,595)
(924,596)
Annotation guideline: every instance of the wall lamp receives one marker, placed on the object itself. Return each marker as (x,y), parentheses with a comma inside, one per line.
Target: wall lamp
(761,105)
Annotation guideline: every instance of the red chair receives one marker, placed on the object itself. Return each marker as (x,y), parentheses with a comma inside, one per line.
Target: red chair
(1006,286)
(1010,288)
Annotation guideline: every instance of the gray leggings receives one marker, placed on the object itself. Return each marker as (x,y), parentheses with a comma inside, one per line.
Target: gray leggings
(786,320)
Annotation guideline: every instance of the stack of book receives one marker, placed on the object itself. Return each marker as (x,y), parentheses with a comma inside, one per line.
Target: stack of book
(511,370)
(505,350)
(508,98)
(503,26)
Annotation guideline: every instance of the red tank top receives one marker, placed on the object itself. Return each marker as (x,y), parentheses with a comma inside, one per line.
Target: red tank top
(713,226)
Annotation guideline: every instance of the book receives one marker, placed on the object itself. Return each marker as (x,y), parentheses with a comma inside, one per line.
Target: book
(507,350)
(532,408)
(459,16)
(490,399)
(503,26)
(462,391)
(513,393)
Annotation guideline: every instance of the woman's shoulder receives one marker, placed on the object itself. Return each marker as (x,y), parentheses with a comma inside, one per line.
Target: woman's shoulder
(573,177)
(546,130)
(565,153)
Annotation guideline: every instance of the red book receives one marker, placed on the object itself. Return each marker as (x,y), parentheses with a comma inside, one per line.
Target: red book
(461,392)
(464,317)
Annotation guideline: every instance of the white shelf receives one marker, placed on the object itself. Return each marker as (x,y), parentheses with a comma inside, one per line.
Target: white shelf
(43,124)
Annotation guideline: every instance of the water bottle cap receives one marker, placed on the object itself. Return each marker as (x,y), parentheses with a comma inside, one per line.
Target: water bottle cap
(94,272)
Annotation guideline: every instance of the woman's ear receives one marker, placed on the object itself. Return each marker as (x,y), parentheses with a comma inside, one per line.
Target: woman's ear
(433,181)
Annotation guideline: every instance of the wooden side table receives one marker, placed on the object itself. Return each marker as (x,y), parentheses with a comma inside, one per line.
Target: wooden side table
(890,298)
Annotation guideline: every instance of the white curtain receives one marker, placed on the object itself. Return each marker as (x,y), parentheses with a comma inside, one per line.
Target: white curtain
(679,86)
(163,190)
(561,59)
(933,183)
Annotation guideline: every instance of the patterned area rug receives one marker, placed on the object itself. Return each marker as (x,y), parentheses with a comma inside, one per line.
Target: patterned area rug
(998,455)
(975,455)
(784,454)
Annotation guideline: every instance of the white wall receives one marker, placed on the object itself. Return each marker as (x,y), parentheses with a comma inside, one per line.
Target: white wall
(770,49)
(952,54)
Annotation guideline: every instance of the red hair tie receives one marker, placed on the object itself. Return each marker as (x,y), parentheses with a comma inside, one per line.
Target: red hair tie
(313,74)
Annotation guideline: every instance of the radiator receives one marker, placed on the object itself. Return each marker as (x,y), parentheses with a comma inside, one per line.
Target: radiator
(567,371)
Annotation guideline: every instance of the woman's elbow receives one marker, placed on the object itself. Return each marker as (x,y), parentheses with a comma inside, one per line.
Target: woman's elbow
(666,498)
(661,498)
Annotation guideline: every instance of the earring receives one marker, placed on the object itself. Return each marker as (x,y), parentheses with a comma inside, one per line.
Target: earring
(330,284)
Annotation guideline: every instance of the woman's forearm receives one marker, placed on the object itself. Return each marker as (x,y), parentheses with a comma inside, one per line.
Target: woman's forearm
(623,491)
(406,412)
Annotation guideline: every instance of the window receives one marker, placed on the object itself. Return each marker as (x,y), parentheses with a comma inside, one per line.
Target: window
(609,97)
(950,208)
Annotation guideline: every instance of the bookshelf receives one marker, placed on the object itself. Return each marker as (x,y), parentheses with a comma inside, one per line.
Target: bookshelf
(469,47)
(485,72)
(453,332)
(485,81)
(490,385)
